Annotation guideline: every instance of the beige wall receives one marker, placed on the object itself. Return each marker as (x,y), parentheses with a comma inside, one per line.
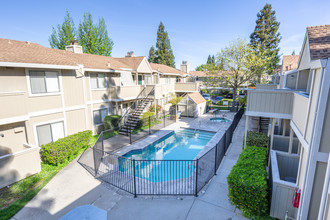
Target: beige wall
(76,121)
(302,168)
(14,137)
(299,112)
(19,165)
(72,88)
(186,87)
(144,67)
(12,79)
(304,60)
(325,138)
(314,97)
(316,195)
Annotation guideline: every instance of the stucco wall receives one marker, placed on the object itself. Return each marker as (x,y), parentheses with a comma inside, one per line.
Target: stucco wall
(13,139)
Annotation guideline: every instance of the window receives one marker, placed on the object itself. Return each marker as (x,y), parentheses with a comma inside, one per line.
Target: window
(140,79)
(50,132)
(44,82)
(99,115)
(133,77)
(168,80)
(98,81)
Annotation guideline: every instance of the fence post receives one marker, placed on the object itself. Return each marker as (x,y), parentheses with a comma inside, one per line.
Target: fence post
(149,125)
(130,134)
(134,178)
(164,118)
(102,144)
(215,159)
(95,169)
(225,144)
(196,190)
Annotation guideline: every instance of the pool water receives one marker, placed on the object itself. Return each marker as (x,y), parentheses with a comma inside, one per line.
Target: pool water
(220,119)
(182,145)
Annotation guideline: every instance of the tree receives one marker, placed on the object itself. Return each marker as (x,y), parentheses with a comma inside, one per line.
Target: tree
(293,52)
(152,55)
(201,67)
(175,100)
(164,53)
(94,37)
(64,34)
(236,63)
(266,35)
(209,59)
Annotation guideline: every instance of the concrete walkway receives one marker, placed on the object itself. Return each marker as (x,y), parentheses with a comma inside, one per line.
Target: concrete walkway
(74,186)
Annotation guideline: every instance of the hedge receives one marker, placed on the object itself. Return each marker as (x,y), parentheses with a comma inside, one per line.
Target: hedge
(58,152)
(247,182)
(256,139)
(111,121)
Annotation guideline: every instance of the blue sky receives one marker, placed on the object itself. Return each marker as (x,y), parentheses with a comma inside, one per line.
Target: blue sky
(196,28)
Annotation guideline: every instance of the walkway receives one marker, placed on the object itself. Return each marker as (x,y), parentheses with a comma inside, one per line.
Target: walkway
(74,186)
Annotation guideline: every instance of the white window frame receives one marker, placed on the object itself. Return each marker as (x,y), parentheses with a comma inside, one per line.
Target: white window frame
(48,122)
(99,109)
(98,88)
(59,78)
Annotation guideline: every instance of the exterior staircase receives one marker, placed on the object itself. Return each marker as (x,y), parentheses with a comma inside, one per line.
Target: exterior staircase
(132,116)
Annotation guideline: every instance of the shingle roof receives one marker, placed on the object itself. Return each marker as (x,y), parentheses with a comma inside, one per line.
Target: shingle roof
(196,97)
(27,52)
(290,62)
(198,73)
(165,69)
(319,41)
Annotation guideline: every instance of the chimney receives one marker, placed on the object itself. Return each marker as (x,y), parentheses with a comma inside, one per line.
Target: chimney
(74,47)
(184,67)
(130,54)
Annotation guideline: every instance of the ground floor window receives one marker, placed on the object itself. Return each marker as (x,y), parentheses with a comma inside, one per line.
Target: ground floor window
(99,115)
(50,132)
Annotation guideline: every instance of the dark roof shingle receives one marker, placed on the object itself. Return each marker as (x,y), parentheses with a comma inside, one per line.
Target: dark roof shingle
(319,41)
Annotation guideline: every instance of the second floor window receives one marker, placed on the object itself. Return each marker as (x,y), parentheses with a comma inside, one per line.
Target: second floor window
(44,82)
(98,81)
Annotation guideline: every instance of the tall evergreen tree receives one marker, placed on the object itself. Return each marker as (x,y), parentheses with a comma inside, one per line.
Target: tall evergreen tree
(164,53)
(94,37)
(213,60)
(267,37)
(209,60)
(293,52)
(63,34)
(152,55)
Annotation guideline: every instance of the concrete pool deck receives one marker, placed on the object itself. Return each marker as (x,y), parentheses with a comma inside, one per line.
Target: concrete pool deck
(74,186)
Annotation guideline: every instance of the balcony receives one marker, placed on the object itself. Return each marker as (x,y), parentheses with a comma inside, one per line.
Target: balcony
(13,107)
(266,86)
(299,113)
(187,87)
(283,175)
(270,103)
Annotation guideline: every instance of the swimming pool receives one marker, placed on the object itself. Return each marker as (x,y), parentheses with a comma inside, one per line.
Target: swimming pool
(220,119)
(171,157)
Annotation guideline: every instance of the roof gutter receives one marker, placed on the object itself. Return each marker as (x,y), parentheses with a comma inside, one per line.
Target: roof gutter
(37,65)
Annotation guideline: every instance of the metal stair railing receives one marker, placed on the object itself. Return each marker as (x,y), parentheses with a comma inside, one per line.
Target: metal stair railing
(123,120)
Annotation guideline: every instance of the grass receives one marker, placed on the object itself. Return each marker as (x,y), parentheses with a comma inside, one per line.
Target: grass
(106,135)
(219,107)
(17,195)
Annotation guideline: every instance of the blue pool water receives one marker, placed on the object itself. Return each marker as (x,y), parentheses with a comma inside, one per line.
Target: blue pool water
(220,119)
(182,145)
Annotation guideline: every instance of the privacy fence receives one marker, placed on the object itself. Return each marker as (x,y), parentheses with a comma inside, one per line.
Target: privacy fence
(160,177)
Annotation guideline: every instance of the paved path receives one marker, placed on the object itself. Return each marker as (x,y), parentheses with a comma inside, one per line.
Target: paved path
(74,186)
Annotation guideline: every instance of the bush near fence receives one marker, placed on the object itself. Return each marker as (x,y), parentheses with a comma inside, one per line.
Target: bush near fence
(58,152)
(247,183)
(111,121)
(256,139)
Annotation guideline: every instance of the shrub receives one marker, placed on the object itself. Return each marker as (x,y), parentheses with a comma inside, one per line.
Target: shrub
(247,182)
(256,139)
(111,121)
(152,108)
(144,121)
(58,152)
(204,91)
(242,100)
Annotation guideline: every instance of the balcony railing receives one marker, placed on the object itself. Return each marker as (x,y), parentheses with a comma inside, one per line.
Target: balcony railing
(270,103)
(13,105)
(283,175)
(266,86)
(187,87)
(300,110)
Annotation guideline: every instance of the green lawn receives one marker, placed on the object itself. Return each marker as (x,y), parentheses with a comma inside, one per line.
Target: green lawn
(15,197)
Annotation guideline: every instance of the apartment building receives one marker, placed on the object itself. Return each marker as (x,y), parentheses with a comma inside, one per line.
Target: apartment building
(47,94)
(298,115)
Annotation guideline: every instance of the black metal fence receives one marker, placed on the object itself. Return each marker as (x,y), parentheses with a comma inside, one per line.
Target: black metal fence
(161,177)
